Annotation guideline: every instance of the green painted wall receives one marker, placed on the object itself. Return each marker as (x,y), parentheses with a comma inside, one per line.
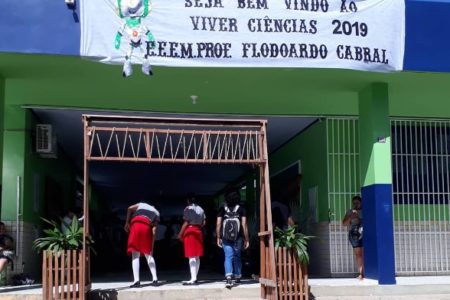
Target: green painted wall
(14,140)
(374,123)
(2,119)
(20,160)
(239,98)
(251,194)
(60,170)
(76,82)
(57,81)
(421,212)
(310,148)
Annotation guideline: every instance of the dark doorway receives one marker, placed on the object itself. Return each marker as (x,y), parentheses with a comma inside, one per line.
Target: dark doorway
(53,195)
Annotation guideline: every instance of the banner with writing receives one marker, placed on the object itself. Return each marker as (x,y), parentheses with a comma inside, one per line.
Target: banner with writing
(349,34)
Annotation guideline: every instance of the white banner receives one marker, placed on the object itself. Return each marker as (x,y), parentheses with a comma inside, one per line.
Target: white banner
(360,34)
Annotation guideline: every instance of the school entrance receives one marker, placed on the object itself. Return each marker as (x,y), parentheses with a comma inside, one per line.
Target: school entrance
(151,140)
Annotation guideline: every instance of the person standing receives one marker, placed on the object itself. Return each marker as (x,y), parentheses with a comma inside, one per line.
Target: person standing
(281,215)
(232,236)
(141,223)
(354,220)
(6,247)
(66,221)
(192,237)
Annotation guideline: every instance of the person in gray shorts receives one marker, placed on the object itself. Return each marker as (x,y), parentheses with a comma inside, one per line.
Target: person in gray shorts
(354,220)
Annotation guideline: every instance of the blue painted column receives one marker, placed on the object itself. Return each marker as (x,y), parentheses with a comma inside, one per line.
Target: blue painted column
(376,176)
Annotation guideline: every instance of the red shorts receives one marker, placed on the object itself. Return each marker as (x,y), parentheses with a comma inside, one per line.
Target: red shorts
(141,236)
(193,241)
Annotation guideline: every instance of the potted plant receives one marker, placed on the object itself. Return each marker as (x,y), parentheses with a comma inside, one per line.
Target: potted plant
(57,240)
(292,259)
(62,272)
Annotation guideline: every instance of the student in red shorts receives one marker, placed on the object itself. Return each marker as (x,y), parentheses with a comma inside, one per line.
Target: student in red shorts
(192,237)
(141,223)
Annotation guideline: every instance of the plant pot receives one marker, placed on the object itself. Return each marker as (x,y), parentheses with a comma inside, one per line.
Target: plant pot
(292,276)
(62,275)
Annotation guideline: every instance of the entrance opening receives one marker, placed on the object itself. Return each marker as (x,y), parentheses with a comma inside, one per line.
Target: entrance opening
(167,178)
(182,141)
(166,187)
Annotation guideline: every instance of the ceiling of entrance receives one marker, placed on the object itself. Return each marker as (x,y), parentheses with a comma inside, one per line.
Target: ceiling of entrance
(124,180)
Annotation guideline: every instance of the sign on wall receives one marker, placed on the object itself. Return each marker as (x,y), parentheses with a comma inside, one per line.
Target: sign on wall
(359,34)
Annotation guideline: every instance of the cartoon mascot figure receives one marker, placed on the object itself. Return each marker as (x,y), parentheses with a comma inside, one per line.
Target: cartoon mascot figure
(133,12)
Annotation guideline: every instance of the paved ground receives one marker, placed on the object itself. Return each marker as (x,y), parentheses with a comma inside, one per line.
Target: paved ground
(413,288)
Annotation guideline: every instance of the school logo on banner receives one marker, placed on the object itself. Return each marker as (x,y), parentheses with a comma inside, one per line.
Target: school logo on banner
(349,34)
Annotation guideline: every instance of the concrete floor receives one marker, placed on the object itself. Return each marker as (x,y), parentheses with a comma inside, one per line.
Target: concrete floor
(425,287)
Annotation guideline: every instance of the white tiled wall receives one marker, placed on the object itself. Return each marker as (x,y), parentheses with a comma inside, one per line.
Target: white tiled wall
(319,250)
(26,257)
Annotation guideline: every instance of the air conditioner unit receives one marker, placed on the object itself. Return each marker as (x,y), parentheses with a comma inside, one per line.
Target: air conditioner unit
(45,140)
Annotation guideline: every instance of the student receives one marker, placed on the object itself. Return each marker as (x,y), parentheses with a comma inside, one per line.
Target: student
(141,223)
(232,236)
(354,220)
(281,215)
(192,237)
(6,247)
(66,221)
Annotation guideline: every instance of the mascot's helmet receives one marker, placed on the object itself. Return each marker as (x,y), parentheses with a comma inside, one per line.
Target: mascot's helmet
(133,8)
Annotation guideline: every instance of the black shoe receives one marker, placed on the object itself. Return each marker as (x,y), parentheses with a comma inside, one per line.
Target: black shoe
(137,284)
(190,282)
(154,283)
(237,280)
(229,283)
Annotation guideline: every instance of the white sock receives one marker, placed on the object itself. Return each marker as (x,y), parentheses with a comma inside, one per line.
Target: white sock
(193,268)
(197,260)
(152,266)
(135,265)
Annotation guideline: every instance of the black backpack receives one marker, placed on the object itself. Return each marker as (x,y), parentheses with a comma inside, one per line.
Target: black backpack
(231,224)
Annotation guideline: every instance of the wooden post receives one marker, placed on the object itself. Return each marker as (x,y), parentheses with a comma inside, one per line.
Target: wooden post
(83,262)
(74,273)
(45,275)
(262,228)
(266,177)
(296,276)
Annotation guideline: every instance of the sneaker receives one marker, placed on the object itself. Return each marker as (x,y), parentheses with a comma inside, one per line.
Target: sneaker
(136,284)
(229,283)
(237,280)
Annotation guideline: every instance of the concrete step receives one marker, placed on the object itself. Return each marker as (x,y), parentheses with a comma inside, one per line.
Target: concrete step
(167,291)
(352,289)
(207,292)
(437,288)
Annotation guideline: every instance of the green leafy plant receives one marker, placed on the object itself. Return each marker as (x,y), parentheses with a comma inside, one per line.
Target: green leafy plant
(56,240)
(295,241)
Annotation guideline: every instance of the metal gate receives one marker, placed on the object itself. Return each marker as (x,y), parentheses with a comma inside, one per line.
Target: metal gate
(421,190)
(421,193)
(343,184)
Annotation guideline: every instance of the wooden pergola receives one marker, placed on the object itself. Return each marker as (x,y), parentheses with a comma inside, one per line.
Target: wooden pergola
(188,141)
